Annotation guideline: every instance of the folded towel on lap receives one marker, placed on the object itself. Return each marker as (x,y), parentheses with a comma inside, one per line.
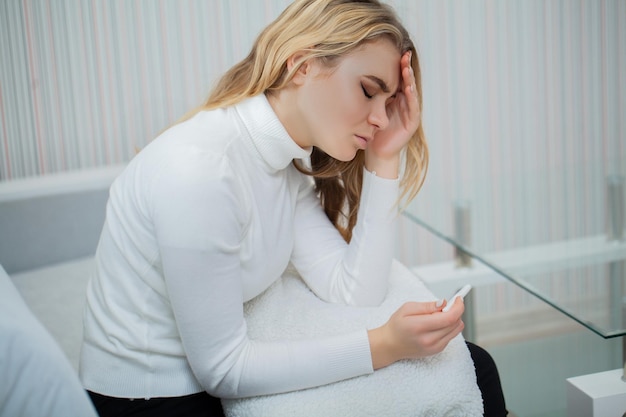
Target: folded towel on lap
(440,385)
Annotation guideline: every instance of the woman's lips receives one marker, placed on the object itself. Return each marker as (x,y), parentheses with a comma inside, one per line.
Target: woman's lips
(363,140)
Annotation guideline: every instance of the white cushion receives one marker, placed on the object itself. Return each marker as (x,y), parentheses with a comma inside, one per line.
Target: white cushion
(441,385)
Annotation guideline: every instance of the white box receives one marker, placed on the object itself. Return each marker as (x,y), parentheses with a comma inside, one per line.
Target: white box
(597,395)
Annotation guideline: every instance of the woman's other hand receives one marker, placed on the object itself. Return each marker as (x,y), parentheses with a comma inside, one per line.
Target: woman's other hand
(403,111)
(415,330)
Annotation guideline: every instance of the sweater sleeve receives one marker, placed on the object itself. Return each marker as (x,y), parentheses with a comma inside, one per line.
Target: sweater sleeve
(199,224)
(355,273)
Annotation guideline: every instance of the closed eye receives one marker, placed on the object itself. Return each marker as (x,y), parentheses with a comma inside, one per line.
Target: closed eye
(368,95)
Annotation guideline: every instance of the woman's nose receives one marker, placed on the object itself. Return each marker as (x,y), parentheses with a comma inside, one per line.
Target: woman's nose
(378,117)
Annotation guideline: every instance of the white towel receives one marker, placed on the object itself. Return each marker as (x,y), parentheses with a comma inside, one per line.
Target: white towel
(440,385)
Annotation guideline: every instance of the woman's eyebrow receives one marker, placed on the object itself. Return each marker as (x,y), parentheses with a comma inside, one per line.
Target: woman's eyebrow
(383,85)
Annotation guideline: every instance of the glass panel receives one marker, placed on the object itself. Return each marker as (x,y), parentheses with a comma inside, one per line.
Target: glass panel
(582,278)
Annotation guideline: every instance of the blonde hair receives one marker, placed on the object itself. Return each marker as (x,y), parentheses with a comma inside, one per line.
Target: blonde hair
(325,30)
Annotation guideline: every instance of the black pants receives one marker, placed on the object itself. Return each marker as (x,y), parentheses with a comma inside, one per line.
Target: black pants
(488,382)
(196,405)
(204,405)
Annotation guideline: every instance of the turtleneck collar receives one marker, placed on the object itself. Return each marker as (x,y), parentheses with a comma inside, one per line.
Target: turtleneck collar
(269,137)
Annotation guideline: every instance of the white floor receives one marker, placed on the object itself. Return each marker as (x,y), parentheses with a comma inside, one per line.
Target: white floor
(534,372)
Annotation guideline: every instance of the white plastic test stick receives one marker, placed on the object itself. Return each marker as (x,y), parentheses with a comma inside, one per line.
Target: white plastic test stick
(460,293)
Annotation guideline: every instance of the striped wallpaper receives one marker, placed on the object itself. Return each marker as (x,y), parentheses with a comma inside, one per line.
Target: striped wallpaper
(524,99)
(525,109)
(84,83)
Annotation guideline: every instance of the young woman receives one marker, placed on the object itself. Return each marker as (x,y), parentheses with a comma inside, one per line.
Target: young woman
(300,156)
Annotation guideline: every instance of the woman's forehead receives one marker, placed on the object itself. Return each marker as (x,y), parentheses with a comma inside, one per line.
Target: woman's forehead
(378,61)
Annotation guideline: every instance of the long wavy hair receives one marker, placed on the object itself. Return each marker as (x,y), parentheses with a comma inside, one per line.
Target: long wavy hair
(326,30)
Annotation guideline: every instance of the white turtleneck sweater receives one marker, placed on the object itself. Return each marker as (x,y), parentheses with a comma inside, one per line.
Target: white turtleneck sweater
(204,218)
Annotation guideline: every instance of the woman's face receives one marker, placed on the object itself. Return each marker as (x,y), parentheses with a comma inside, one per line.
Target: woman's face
(341,108)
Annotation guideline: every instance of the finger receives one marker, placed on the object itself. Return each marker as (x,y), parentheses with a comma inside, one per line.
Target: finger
(446,337)
(436,340)
(403,111)
(451,327)
(410,92)
(406,59)
(407,70)
(415,308)
(443,322)
(400,108)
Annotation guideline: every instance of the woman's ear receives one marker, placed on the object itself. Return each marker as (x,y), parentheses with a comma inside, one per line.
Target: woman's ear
(301,64)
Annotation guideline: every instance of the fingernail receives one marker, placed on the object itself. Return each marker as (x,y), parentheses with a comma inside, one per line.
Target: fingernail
(439,303)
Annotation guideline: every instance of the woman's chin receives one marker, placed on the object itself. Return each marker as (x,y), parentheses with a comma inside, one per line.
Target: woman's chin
(344,156)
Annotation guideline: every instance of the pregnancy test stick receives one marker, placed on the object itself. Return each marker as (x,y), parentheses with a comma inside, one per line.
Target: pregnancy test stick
(460,293)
